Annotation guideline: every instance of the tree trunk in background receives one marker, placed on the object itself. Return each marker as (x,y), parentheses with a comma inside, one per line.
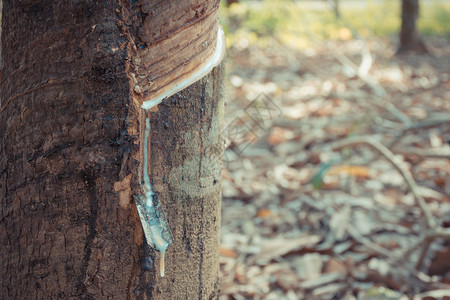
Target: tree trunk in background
(70,138)
(334,4)
(410,40)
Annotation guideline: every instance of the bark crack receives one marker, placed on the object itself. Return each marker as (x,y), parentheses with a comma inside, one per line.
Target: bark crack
(90,182)
(202,249)
(133,270)
(185,237)
(48,82)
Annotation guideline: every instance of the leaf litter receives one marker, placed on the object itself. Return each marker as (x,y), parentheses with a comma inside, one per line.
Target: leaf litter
(312,209)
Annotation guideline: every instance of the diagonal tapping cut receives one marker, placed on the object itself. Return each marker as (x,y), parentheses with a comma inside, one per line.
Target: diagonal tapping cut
(187,79)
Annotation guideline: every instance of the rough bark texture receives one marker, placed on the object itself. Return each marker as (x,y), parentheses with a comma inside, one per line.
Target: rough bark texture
(70,136)
(410,40)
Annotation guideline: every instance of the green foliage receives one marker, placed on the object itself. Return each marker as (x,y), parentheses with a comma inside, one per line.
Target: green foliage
(290,23)
(435,20)
(380,293)
(377,19)
(317,179)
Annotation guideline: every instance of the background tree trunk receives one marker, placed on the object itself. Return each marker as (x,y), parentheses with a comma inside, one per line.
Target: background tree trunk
(70,140)
(334,4)
(410,39)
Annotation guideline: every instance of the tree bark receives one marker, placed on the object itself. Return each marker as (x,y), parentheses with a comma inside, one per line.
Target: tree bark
(410,39)
(71,142)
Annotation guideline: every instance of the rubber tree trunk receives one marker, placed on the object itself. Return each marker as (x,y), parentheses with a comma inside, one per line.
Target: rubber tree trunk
(71,150)
(410,39)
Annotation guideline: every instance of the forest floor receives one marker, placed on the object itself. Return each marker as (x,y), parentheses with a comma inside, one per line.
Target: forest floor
(337,172)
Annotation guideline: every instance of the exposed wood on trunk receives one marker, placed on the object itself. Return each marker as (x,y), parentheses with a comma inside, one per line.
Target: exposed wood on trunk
(173,40)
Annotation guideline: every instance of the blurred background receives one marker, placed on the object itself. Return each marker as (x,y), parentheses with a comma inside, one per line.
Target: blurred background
(337,167)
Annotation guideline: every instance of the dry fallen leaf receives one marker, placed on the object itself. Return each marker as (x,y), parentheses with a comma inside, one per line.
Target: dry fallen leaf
(355,171)
(366,192)
(279,135)
(264,213)
(228,252)
(334,265)
(275,248)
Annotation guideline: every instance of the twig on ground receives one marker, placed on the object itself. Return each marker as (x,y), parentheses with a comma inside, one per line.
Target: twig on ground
(433,230)
(363,73)
(430,153)
(423,253)
(443,233)
(406,174)
(392,258)
(407,253)
(426,239)
(371,245)
(429,123)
